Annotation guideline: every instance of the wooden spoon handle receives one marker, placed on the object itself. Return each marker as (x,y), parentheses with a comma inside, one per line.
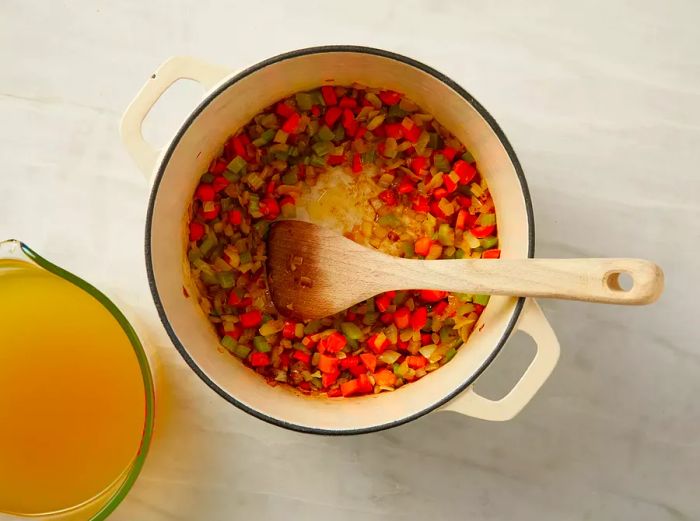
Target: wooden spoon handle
(590,280)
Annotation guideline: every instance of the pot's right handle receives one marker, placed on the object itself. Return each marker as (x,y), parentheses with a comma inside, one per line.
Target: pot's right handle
(533,322)
(172,70)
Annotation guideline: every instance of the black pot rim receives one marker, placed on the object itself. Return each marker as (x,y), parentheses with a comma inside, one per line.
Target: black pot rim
(185,126)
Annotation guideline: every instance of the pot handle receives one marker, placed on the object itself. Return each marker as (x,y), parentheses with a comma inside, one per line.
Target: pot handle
(172,70)
(533,322)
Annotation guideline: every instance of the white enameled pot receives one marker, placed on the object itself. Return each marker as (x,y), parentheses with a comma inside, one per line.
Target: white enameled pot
(232,99)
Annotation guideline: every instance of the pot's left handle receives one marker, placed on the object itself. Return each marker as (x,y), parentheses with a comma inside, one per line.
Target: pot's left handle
(535,324)
(172,70)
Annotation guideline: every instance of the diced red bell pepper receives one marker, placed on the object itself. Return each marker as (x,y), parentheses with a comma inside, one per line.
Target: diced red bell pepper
(328,379)
(349,388)
(394,130)
(369,360)
(291,124)
(329,96)
(356,163)
(284,110)
(386,318)
(349,362)
(205,192)
(402,317)
(418,163)
(416,361)
(289,329)
(327,364)
(450,185)
(211,214)
(270,187)
(334,393)
(334,160)
(426,339)
(491,254)
(419,318)
(422,246)
(412,134)
(347,102)
(335,342)
(388,196)
(382,302)
(196,231)
(251,318)
(437,211)
(431,295)
(308,341)
(420,204)
(236,332)
(363,384)
(332,115)
(376,346)
(348,118)
(350,315)
(405,186)
(464,170)
(287,199)
(258,359)
(478,308)
(380,131)
(235,217)
(269,208)
(315,110)
(439,193)
(361,131)
(389,97)
(385,378)
(440,308)
(219,183)
(217,166)
(482,231)
(449,153)
(239,146)
(461,221)
(302,356)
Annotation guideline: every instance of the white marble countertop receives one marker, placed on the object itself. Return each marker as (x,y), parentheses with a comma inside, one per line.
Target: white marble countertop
(601,102)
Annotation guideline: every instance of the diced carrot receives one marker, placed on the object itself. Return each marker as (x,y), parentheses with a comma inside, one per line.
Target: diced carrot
(385,377)
(327,364)
(416,361)
(422,246)
(369,360)
(349,388)
(491,254)
(419,318)
(402,317)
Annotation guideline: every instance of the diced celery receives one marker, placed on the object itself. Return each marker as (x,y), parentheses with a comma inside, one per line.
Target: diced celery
(373,99)
(194,254)
(446,333)
(389,357)
(312,327)
(304,100)
(368,157)
(322,148)
(237,164)
(229,343)
(226,279)
(389,220)
(339,133)
(290,178)
(265,138)
(447,207)
(407,249)
(396,112)
(370,318)
(208,278)
(481,299)
(246,257)
(254,180)
(486,219)
(489,242)
(472,241)
(460,254)
(434,141)
(468,157)
(446,235)
(317,98)
(317,161)
(261,344)
(207,178)
(261,227)
(280,136)
(441,163)
(208,244)
(450,354)
(351,330)
(325,134)
(241,351)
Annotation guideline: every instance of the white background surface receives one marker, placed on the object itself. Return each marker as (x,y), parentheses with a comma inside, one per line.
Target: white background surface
(601,102)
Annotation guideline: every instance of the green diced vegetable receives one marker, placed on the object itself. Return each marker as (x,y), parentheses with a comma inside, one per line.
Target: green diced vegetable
(304,100)
(467,157)
(370,318)
(237,164)
(434,141)
(489,242)
(246,257)
(229,343)
(460,254)
(368,157)
(486,219)
(289,211)
(396,112)
(389,220)
(231,177)
(317,161)
(312,327)
(207,178)
(446,235)
(325,134)
(208,243)
(481,299)
(290,178)
(261,344)
(265,137)
(351,331)
(226,279)
(322,148)
(441,163)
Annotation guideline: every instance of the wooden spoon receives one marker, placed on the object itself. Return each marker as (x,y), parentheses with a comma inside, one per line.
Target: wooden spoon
(313,272)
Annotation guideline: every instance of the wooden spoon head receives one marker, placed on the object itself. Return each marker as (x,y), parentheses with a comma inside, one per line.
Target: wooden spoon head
(313,272)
